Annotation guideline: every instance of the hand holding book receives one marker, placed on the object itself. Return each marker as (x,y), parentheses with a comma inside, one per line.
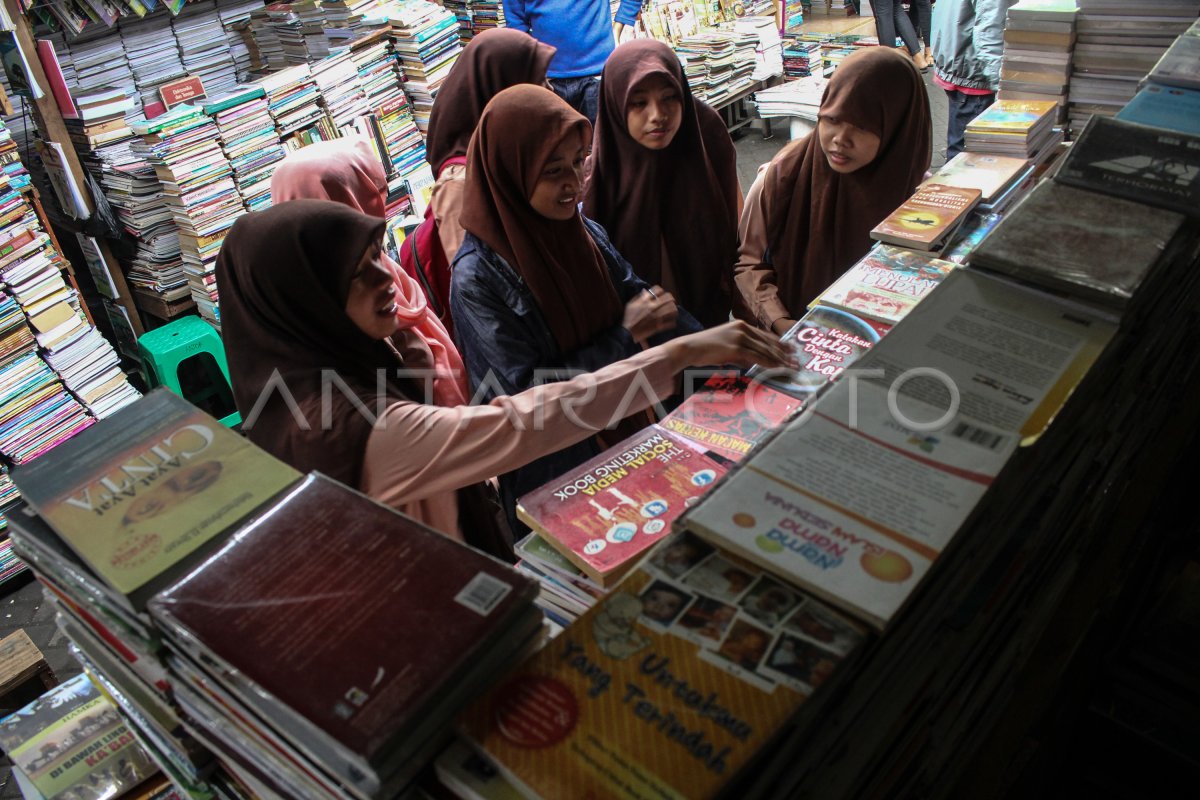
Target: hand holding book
(732,343)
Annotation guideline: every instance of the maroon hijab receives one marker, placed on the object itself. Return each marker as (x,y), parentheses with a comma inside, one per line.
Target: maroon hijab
(820,219)
(285,276)
(566,273)
(683,198)
(493,60)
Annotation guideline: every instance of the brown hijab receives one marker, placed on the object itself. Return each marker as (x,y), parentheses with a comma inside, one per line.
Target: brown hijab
(820,219)
(285,276)
(564,270)
(493,60)
(683,199)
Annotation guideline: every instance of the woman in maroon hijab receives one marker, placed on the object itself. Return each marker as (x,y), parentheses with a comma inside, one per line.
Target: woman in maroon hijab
(492,61)
(662,179)
(318,362)
(809,215)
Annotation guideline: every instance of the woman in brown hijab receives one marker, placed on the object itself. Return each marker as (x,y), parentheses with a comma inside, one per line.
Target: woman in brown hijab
(809,214)
(662,179)
(492,61)
(315,354)
(537,289)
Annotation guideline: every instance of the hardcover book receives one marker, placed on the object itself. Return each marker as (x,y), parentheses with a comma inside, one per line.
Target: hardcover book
(886,284)
(606,513)
(1137,162)
(729,414)
(152,488)
(668,687)
(1091,245)
(926,219)
(354,631)
(1168,107)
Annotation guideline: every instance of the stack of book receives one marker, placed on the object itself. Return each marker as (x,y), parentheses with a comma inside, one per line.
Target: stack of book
(11,166)
(799,98)
(1022,128)
(299,27)
(172,610)
(1169,97)
(930,217)
(1000,179)
(565,592)
(184,147)
(250,142)
(150,45)
(100,63)
(235,19)
(341,93)
(801,59)
(10,564)
(295,104)
(203,47)
(266,40)
(346,20)
(425,40)
(768,50)
(694,662)
(1119,43)
(31,270)
(156,266)
(722,64)
(1039,36)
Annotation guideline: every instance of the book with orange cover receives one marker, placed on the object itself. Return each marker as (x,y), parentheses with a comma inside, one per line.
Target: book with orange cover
(729,414)
(668,687)
(928,218)
(607,512)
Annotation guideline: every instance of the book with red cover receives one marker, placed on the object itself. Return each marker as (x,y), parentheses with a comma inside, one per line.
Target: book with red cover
(928,218)
(607,512)
(353,631)
(54,74)
(729,414)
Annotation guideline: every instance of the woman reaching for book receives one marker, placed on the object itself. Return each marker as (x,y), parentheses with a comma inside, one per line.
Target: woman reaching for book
(809,214)
(662,179)
(327,378)
(537,290)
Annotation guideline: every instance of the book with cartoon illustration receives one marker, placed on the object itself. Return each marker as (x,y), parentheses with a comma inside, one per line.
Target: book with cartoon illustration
(150,488)
(925,220)
(72,739)
(668,686)
(605,513)
(729,414)
(886,284)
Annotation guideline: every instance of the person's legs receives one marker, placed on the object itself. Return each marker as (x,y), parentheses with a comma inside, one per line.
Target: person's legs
(885,21)
(581,94)
(920,14)
(904,27)
(963,108)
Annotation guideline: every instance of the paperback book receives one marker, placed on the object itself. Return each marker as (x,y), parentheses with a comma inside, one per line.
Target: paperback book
(729,413)
(928,218)
(886,284)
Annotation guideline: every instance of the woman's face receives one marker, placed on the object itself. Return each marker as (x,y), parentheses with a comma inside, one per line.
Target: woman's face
(654,112)
(371,303)
(847,147)
(556,193)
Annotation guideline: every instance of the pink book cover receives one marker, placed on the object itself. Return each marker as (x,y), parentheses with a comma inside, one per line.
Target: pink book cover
(58,84)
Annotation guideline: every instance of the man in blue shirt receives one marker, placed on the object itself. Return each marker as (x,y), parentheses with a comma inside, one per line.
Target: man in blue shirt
(584,32)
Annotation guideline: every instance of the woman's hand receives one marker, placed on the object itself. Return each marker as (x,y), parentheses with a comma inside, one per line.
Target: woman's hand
(652,311)
(732,343)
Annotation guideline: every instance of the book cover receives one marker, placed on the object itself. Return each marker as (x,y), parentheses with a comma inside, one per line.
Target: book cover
(667,688)
(1137,162)
(826,341)
(1012,116)
(729,414)
(989,173)
(352,629)
(606,513)
(142,490)
(924,220)
(1169,107)
(72,738)
(885,285)
(1095,246)
(968,237)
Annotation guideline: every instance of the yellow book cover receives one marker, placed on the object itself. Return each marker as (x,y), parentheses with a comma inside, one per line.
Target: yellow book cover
(666,688)
(139,492)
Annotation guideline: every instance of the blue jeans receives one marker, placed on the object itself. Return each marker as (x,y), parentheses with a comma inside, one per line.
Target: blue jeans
(581,94)
(890,20)
(963,109)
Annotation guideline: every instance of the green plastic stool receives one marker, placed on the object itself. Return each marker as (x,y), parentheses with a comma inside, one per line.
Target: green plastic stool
(165,349)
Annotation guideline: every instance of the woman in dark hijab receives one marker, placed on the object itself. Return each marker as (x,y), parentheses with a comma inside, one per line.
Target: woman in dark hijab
(491,62)
(662,179)
(537,289)
(809,214)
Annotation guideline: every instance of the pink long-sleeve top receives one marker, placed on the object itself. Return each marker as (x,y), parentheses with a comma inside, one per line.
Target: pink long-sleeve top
(418,455)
